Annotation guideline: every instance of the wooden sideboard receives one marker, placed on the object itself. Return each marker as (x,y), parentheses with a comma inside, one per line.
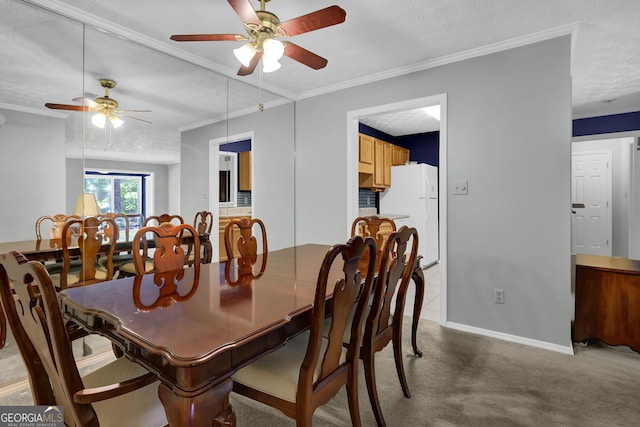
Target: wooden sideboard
(607,300)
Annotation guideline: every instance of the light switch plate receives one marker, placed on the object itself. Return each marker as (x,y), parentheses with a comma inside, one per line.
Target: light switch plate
(460,187)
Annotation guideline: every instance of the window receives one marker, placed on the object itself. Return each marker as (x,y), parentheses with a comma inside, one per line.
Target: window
(117,192)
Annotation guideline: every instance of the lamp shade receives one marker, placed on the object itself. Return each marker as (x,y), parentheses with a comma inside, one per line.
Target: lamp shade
(86,205)
(245,53)
(98,120)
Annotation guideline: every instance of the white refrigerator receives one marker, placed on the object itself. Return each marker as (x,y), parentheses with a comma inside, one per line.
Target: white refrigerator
(414,192)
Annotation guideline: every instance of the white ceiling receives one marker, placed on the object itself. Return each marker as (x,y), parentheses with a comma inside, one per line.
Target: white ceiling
(185,84)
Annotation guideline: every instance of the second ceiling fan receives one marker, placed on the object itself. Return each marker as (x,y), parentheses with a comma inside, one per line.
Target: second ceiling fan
(264,28)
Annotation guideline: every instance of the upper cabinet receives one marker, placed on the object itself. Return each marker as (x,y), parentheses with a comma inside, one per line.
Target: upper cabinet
(400,155)
(365,154)
(375,160)
(245,171)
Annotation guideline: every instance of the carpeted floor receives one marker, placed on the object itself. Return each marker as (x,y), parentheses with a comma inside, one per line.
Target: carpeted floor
(470,380)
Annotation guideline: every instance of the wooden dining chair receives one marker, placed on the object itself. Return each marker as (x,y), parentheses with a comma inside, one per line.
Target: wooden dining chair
(123,257)
(117,394)
(382,326)
(310,369)
(96,236)
(202,223)
(156,220)
(240,243)
(168,253)
(54,234)
(371,226)
(58,222)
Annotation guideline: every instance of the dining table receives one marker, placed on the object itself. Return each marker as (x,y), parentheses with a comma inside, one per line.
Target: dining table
(51,249)
(193,328)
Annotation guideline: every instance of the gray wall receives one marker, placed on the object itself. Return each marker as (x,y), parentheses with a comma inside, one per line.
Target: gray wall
(32,172)
(273,169)
(509,123)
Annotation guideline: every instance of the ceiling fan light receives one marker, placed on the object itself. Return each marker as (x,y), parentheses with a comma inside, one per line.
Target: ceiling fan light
(98,120)
(269,65)
(245,53)
(273,49)
(115,121)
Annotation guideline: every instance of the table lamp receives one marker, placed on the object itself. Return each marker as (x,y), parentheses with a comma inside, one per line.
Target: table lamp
(86,205)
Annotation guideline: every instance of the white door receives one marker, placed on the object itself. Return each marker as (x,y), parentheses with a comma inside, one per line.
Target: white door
(591,229)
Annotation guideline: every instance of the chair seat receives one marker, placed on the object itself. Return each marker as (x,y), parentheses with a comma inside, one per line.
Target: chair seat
(118,260)
(277,373)
(56,267)
(129,269)
(138,408)
(73,276)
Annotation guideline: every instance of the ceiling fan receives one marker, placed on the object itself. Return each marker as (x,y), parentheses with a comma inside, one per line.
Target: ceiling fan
(104,107)
(263,30)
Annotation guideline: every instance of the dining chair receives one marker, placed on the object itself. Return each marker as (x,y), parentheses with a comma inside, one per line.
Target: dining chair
(240,243)
(202,223)
(156,220)
(123,257)
(382,326)
(117,394)
(309,369)
(94,234)
(371,226)
(54,234)
(57,224)
(168,253)
(129,268)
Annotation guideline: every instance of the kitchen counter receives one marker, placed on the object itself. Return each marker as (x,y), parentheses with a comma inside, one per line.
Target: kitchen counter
(372,211)
(234,212)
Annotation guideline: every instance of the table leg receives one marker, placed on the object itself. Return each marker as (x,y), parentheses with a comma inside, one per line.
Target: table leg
(210,408)
(418,279)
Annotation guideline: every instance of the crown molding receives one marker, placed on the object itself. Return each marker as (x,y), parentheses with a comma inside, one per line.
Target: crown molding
(569,29)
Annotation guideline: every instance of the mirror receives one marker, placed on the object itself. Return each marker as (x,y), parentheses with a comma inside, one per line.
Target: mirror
(45,153)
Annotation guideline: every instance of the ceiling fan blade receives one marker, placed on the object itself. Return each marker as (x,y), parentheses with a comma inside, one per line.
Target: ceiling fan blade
(322,18)
(304,56)
(206,37)
(245,11)
(66,107)
(86,101)
(135,118)
(245,71)
(132,111)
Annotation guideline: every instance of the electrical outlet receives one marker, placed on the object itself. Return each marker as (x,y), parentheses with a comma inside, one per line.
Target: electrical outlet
(498,296)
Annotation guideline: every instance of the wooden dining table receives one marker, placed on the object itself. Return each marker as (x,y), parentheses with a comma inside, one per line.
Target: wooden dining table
(51,249)
(195,327)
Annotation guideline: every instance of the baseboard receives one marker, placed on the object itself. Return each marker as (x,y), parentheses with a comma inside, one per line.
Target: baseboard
(511,338)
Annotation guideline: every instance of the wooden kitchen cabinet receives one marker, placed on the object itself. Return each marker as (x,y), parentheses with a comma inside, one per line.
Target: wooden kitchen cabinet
(375,160)
(400,155)
(365,154)
(246,168)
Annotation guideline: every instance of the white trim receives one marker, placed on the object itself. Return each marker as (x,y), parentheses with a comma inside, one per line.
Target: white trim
(512,338)
(352,174)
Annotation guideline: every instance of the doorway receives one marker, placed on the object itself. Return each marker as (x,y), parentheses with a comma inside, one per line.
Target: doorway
(353,119)
(236,203)
(591,230)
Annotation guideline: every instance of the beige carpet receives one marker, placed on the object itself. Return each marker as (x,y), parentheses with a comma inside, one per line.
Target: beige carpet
(469,380)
